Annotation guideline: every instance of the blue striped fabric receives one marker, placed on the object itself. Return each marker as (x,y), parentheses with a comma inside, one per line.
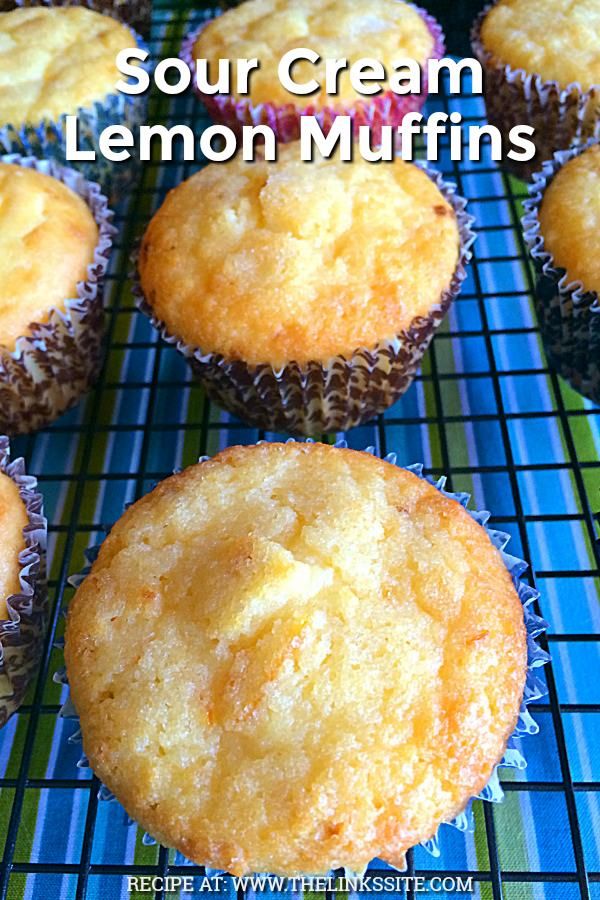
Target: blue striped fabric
(485,409)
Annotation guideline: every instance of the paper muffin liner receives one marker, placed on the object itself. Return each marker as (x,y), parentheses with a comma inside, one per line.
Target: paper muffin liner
(560,116)
(22,633)
(534,688)
(284,119)
(569,316)
(53,366)
(136,13)
(334,395)
(47,139)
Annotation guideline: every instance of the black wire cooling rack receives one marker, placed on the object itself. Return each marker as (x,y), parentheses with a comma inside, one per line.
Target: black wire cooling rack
(486,411)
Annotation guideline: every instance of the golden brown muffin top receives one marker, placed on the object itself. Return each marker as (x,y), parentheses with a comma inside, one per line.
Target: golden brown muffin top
(55,61)
(570,219)
(289,260)
(295,657)
(13,519)
(557,39)
(47,240)
(386,30)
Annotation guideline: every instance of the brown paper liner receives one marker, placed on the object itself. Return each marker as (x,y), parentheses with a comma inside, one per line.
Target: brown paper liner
(136,13)
(560,116)
(53,366)
(22,633)
(569,315)
(332,395)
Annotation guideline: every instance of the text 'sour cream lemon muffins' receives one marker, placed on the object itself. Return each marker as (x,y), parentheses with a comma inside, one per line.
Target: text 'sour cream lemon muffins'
(562,229)
(295,657)
(386,30)
(23,599)
(304,294)
(542,68)
(61,61)
(55,239)
(134,12)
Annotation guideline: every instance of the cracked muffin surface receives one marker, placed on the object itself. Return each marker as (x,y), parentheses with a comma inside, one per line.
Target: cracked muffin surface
(386,30)
(272,262)
(54,61)
(294,657)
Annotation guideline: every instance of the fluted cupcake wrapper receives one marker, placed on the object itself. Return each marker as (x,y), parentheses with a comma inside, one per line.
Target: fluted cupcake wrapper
(284,119)
(560,116)
(22,633)
(59,360)
(134,12)
(47,139)
(335,395)
(569,316)
(534,687)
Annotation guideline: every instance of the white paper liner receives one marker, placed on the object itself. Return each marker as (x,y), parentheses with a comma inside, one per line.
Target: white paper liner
(53,366)
(47,140)
(22,633)
(335,395)
(561,116)
(569,315)
(534,688)
(384,109)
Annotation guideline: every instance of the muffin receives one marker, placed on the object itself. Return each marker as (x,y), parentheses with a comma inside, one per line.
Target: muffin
(23,599)
(55,237)
(541,69)
(58,62)
(304,294)
(343,677)
(135,12)
(387,30)
(562,229)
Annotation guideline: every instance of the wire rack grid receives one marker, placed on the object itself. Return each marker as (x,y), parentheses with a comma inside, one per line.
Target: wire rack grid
(486,410)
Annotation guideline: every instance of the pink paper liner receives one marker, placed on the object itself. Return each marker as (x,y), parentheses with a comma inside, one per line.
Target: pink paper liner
(384,109)
(560,116)
(324,395)
(53,366)
(22,633)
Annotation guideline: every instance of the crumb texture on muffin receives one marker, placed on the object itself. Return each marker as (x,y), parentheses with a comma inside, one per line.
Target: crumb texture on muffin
(295,657)
(557,39)
(47,240)
(13,519)
(271,262)
(387,30)
(570,219)
(54,61)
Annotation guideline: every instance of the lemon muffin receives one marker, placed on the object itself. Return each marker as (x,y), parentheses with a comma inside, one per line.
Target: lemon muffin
(542,69)
(342,677)
(274,271)
(61,61)
(23,600)
(562,227)
(54,241)
(386,30)
(47,240)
